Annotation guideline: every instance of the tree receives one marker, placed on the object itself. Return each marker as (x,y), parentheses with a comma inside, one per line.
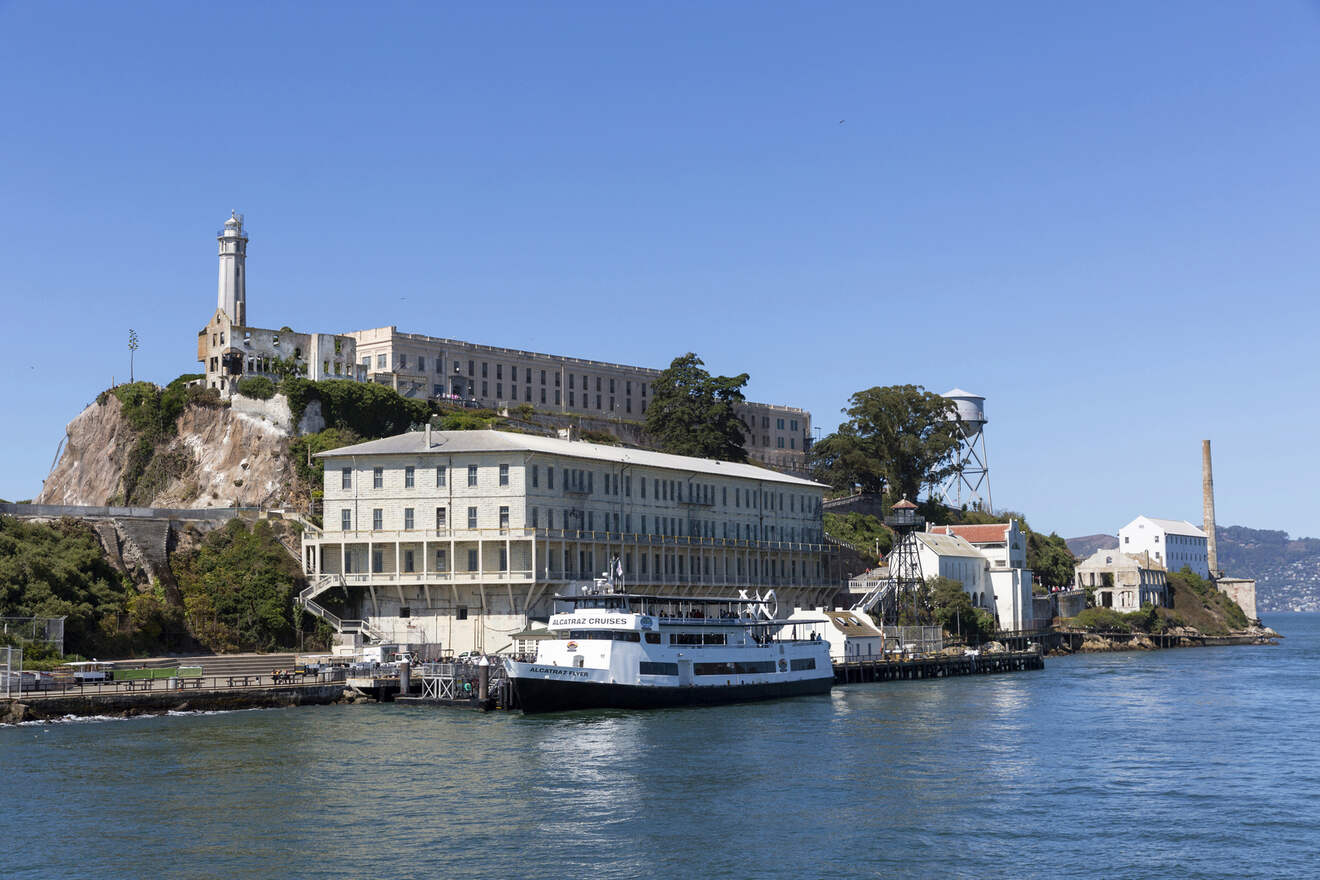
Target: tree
(955,612)
(695,413)
(898,437)
(238,588)
(1049,559)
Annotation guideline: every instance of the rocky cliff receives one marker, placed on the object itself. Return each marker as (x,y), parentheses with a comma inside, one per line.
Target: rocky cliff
(217,456)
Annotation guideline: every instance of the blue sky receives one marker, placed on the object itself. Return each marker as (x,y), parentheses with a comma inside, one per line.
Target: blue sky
(1099,217)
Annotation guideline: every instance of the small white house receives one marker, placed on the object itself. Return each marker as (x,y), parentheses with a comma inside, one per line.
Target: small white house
(1172,543)
(852,634)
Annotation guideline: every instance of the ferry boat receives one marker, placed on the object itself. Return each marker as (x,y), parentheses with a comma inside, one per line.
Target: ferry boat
(614,650)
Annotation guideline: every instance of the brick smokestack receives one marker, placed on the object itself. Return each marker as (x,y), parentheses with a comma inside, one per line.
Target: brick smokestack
(1208,508)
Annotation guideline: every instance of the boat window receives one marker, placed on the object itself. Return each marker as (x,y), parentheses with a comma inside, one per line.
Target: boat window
(698,639)
(747,667)
(604,635)
(802,663)
(653,638)
(649,668)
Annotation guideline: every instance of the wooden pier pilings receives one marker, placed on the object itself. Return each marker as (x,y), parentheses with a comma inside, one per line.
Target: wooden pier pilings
(854,671)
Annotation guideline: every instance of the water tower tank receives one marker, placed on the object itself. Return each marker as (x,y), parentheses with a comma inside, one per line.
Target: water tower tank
(971,409)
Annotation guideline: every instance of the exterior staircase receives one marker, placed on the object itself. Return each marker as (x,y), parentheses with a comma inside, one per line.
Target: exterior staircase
(877,590)
(307,600)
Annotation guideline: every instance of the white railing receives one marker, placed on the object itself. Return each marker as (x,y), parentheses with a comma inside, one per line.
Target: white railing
(878,592)
(385,578)
(307,600)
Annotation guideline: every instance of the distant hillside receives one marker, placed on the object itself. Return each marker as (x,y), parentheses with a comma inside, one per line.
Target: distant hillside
(1287,570)
(1087,544)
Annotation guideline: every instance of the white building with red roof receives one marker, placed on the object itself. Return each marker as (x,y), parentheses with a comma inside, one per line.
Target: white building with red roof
(1002,584)
(1004,544)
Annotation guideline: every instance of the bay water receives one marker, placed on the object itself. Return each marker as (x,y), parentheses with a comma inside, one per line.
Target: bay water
(1196,763)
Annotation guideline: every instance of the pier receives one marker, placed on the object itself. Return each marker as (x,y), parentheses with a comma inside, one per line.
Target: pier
(451,685)
(899,669)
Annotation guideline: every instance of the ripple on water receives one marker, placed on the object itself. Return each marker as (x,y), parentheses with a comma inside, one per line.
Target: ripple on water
(1192,763)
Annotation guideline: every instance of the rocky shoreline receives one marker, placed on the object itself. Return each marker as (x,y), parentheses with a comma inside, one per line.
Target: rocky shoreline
(1179,637)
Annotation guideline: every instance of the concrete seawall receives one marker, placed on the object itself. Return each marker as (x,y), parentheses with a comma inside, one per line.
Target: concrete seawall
(47,708)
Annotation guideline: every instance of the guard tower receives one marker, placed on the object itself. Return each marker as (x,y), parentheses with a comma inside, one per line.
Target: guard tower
(904,559)
(232,296)
(970,483)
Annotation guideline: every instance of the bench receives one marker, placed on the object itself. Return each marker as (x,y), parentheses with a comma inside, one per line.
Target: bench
(243,680)
(286,677)
(139,684)
(189,682)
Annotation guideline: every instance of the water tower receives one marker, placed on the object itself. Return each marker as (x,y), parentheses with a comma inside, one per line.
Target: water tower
(970,483)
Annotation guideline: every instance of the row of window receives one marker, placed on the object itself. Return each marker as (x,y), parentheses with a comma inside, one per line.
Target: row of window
(410,518)
(401,362)
(586,521)
(583,481)
(738,667)
(545,378)
(410,476)
(664,565)
(408,561)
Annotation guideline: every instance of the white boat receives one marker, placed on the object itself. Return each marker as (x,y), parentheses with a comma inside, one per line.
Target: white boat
(626,651)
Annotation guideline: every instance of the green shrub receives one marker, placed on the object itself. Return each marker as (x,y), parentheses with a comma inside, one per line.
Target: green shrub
(603,437)
(463,421)
(256,387)
(861,530)
(954,611)
(238,588)
(1102,620)
(368,410)
(303,450)
(59,570)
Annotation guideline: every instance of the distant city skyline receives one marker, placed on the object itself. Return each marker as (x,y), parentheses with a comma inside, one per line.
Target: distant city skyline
(1094,217)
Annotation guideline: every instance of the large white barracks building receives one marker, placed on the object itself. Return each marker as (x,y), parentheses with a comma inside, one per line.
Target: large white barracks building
(463,537)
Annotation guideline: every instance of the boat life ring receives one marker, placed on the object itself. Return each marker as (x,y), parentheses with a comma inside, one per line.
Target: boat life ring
(783,665)
(571,646)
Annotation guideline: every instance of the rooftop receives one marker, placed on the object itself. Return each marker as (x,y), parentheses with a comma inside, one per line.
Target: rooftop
(852,623)
(988,533)
(451,442)
(948,545)
(1172,526)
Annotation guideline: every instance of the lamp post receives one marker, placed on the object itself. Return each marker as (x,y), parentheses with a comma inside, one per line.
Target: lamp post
(132,349)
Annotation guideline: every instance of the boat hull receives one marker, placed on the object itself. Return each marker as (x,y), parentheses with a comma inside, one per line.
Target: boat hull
(539,695)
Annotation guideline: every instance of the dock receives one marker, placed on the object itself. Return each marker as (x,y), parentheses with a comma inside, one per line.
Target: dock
(451,685)
(905,669)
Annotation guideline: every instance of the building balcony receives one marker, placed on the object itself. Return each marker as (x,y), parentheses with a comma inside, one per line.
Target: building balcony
(408,578)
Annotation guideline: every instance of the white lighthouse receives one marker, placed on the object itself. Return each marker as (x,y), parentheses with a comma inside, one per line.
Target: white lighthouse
(232,296)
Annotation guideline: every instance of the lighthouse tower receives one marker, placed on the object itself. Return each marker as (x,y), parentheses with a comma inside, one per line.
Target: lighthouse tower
(232,296)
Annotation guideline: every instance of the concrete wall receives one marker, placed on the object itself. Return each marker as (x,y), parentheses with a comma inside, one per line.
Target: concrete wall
(55,511)
(1241,591)
(274,411)
(1012,597)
